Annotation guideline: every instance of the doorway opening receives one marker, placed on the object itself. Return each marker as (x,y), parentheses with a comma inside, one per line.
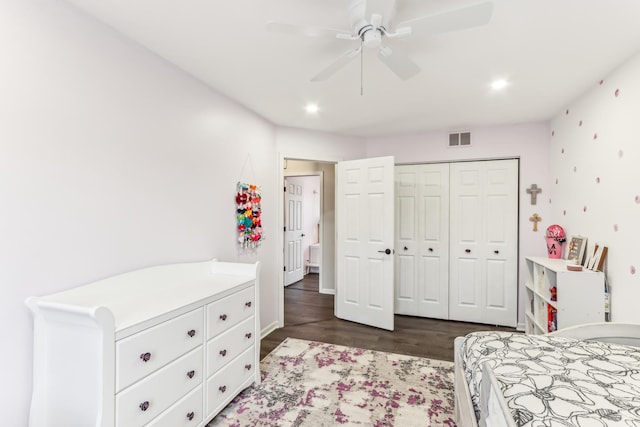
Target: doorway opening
(316,181)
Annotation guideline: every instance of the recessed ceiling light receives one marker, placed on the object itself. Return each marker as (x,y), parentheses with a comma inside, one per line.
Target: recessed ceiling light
(311,108)
(499,84)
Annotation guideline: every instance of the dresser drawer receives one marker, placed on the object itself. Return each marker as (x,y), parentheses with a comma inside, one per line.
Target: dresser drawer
(140,354)
(224,313)
(226,346)
(143,401)
(225,384)
(186,412)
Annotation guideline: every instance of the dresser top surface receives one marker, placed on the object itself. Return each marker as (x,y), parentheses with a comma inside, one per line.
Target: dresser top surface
(140,295)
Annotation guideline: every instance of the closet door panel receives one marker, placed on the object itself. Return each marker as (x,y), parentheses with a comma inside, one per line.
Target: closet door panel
(433,275)
(406,301)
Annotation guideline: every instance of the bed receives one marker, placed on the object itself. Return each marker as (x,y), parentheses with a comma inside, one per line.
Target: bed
(587,375)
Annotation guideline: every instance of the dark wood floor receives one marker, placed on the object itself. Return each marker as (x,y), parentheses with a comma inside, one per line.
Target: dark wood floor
(309,315)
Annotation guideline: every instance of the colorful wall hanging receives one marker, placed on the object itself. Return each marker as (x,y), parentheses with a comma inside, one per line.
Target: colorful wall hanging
(248,211)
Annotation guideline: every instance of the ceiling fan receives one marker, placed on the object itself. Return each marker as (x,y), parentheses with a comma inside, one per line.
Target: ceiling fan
(371,24)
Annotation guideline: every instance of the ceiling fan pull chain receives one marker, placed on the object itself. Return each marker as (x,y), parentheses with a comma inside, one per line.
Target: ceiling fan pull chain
(361,66)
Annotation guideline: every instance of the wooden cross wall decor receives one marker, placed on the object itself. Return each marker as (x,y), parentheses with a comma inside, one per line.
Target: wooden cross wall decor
(535,218)
(534,190)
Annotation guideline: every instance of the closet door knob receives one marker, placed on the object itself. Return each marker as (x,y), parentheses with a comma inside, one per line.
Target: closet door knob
(406,248)
(430,249)
(190,374)
(496,252)
(222,388)
(468,251)
(145,357)
(190,416)
(386,251)
(144,405)
(223,353)
(191,333)
(247,335)
(223,317)
(247,366)
(247,304)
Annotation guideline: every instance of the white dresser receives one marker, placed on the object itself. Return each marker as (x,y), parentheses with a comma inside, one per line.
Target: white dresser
(166,346)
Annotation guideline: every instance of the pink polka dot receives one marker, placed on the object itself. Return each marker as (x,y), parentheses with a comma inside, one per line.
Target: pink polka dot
(597,180)
(617,92)
(633,269)
(584,209)
(615,227)
(595,136)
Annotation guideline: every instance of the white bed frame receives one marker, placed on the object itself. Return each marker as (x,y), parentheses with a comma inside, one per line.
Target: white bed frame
(493,407)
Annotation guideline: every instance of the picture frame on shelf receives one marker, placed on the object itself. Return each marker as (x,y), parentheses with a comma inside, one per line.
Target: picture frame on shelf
(576,249)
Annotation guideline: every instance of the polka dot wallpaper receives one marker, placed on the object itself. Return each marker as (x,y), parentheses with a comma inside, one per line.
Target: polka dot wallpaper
(595,167)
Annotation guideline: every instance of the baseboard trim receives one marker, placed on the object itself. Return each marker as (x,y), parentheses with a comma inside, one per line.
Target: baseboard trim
(327,291)
(272,327)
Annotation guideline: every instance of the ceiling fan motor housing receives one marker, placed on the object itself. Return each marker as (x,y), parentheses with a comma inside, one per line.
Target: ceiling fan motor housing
(367,16)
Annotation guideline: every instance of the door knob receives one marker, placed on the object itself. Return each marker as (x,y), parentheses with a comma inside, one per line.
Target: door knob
(386,251)
(302,235)
(496,252)
(468,251)
(406,248)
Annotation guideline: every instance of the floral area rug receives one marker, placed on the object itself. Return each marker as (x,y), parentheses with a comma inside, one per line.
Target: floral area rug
(317,384)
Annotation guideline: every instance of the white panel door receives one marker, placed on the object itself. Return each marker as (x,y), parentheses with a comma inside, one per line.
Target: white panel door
(364,244)
(484,235)
(293,252)
(422,240)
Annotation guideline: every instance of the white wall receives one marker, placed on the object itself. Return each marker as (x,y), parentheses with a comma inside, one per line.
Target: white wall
(528,142)
(595,153)
(110,160)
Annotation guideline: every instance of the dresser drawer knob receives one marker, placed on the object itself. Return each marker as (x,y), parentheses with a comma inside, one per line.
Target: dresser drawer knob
(190,374)
(223,353)
(247,304)
(247,366)
(191,333)
(222,388)
(247,335)
(145,357)
(190,416)
(144,405)
(223,317)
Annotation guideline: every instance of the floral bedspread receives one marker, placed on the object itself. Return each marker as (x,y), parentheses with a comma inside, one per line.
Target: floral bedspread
(553,381)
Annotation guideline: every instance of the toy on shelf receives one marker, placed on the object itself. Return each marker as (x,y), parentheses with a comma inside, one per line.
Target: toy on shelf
(555,238)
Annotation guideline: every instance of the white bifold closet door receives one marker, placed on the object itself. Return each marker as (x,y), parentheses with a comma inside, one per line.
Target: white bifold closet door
(456,241)
(422,240)
(483,274)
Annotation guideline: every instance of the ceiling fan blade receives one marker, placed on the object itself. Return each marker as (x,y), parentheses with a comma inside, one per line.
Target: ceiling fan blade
(336,65)
(303,30)
(452,20)
(398,62)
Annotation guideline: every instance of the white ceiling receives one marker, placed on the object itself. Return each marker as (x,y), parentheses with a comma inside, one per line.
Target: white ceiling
(551,51)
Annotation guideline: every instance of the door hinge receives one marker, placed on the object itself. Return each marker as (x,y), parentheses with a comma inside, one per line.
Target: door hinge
(284,268)
(285,228)
(285,189)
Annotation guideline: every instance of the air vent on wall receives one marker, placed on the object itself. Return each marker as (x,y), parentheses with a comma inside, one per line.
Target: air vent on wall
(459,139)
